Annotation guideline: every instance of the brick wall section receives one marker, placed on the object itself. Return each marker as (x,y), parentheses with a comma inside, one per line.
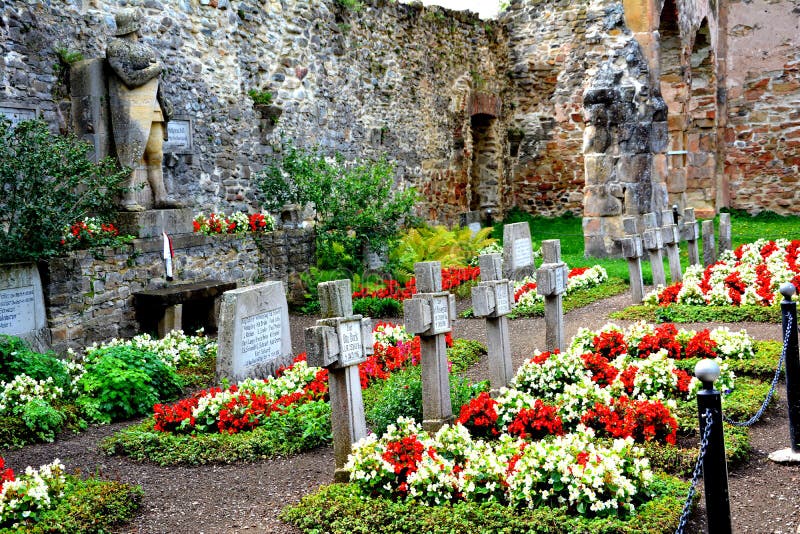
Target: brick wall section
(90,298)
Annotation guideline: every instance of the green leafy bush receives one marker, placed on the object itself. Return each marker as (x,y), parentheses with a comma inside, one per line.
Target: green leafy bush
(48,182)
(684,313)
(355,202)
(401,395)
(16,358)
(377,307)
(42,419)
(301,427)
(122,382)
(339,509)
(464,354)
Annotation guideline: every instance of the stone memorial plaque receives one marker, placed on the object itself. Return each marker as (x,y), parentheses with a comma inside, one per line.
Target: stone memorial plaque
(560,280)
(253,338)
(261,337)
(502,298)
(351,345)
(179,132)
(17,310)
(523,253)
(17,115)
(440,312)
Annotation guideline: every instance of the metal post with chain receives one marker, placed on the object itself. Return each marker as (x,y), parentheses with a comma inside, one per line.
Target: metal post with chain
(698,470)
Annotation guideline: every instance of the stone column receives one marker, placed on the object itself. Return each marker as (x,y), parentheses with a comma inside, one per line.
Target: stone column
(632,251)
(493,298)
(691,233)
(339,343)
(653,242)
(709,250)
(551,283)
(429,313)
(671,238)
(725,232)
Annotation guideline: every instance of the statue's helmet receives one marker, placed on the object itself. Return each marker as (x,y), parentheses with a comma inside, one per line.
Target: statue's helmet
(128,21)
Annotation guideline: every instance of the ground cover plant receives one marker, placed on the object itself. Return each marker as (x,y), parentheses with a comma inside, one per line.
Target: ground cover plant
(278,415)
(575,436)
(49,500)
(41,395)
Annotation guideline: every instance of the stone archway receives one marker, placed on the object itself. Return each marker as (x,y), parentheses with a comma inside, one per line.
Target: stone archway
(701,131)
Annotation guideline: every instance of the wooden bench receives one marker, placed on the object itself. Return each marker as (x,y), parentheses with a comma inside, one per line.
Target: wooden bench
(162,309)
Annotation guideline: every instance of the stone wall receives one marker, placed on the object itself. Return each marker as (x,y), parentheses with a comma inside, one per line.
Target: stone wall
(89,296)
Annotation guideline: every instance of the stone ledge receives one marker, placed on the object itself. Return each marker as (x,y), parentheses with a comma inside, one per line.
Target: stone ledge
(151,223)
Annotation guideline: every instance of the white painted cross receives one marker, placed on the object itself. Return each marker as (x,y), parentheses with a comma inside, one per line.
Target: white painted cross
(493,298)
(339,343)
(430,313)
(551,283)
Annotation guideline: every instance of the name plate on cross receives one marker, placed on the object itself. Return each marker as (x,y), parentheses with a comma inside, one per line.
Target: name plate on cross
(429,314)
(551,279)
(339,342)
(492,298)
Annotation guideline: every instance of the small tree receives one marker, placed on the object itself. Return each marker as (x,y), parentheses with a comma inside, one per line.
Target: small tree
(48,182)
(355,202)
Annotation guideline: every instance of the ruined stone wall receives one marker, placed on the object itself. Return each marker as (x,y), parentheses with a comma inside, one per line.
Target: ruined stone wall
(390,79)
(89,296)
(762,137)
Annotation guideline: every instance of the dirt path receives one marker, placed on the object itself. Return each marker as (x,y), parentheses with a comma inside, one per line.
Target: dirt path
(248,497)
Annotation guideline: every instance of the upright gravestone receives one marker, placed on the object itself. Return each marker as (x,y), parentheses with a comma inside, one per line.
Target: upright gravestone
(429,313)
(653,242)
(253,338)
(493,298)
(22,311)
(672,239)
(339,343)
(632,251)
(709,249)
(551,283)
(691,233)
(471,220)
(517,251)
(725,232)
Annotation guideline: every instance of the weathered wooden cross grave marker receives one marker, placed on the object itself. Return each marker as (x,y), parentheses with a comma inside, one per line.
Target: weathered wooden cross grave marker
(653,242)
(429,313)
(691,233)
(339,343)
(672,239)
(551,283)
(493,298)
(632,251)
(724,232)
(517,251)
(709,249)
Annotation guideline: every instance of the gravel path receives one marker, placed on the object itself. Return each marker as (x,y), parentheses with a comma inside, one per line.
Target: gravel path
(248,497)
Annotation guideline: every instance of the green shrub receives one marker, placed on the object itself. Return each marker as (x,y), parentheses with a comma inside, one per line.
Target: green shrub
(464,354)
(684,313)
(122,382)
(302,427)
(48,183)
(88,506)
(377,307)
(355,202)
(16,358)
(42,419)
(339,509)
(401,395)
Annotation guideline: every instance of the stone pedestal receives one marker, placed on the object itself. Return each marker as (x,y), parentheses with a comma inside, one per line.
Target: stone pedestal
(151,223)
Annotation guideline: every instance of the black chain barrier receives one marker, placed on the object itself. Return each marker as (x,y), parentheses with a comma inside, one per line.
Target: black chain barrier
(698,471)
(775,379)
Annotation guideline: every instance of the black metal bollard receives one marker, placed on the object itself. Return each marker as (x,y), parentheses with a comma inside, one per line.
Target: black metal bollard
(715,468)
(789,322)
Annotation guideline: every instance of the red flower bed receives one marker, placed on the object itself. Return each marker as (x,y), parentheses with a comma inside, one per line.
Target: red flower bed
(537,422)
(611,344)
(662,338)
(639,419)
(452,277)
(603,373)
(479,415)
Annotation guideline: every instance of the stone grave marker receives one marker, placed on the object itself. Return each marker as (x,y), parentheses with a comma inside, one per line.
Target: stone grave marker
(709,249)
(253,338)
(632,252)
(653,242)
(471,220)
(691,233)
(517,251)
(672,239)
(22,311)
(430,313)
(725,232)
(493,298)
(551,283)
(339,343)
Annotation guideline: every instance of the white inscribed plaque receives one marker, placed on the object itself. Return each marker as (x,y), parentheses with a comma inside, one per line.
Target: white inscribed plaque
(261,338)
(179,133)
(561,285)
(351,347)
(441,314)
(502,306)
(523,253)
(17,310)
